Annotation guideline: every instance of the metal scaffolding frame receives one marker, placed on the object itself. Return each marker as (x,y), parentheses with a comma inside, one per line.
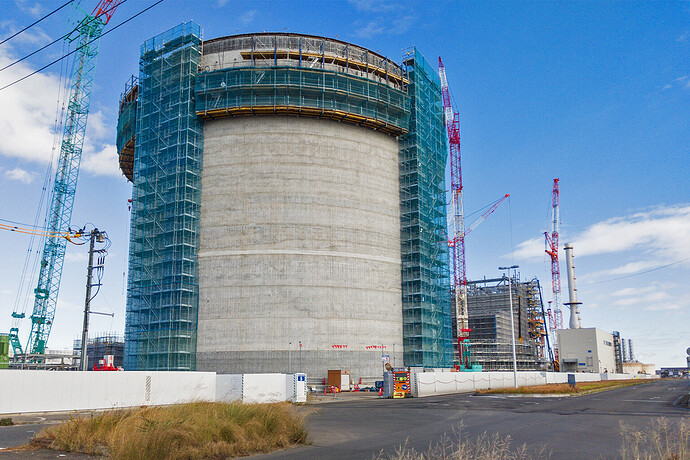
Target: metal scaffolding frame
(488,303)
(427,336)
(99,346)
(162,297)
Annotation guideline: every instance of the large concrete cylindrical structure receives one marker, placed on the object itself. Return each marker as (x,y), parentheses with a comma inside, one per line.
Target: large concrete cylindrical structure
(299,253)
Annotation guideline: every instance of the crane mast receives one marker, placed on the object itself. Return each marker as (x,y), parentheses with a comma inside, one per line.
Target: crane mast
(551,242)
(457,240)
(86,34)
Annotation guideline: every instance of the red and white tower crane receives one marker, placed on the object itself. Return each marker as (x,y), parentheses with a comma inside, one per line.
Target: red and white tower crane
(458,232)
(551,242)
(457,237)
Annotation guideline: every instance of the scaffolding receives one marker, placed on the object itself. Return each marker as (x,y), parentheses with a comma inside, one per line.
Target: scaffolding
(304,92)
(489,309)
(162,297)
(99,346)
(427,333)
(535,320)
(126,126)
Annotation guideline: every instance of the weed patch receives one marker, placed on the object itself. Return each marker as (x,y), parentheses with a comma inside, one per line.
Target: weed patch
(189,431)
(565,389)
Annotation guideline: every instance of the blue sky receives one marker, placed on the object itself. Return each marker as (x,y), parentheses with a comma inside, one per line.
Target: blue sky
(595,93)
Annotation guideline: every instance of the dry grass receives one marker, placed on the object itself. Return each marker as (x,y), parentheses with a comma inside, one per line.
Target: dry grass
(484,447)
(184,431)
(564,388)
(662,440)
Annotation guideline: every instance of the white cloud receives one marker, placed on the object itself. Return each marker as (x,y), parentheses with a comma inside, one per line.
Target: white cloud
(650,297)
(632,267)
(31,8)
(248,17)
(27,121)
(28,112)
(369,30)
(661,232)
(403,24)
(658,236)
(627,292)
(683,81)
(531,249)
(222,3)
(373,5)
(683,36)
(663,307)
(20,175)
(102,163)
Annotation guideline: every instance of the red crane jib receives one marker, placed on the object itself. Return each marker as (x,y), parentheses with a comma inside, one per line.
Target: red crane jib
(106,8)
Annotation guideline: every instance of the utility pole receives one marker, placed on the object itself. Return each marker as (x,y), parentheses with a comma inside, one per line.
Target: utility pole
(512,318)
(99,236)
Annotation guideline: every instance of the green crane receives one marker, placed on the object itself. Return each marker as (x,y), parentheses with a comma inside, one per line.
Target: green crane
(87,34)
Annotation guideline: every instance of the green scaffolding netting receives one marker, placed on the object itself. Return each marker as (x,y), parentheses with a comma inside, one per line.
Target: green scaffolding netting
(162,297)
(424,243)
(301,87)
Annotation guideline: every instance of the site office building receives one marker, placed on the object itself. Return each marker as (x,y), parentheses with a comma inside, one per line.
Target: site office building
(288,207)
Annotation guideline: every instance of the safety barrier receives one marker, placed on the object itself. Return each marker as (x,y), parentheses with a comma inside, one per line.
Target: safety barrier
(436,383)
(49,391)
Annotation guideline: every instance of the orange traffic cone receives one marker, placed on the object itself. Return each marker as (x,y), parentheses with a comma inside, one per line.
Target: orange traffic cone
(380,391)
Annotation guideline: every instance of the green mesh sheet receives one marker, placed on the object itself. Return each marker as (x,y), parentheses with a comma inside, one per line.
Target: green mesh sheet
(427,335)
(301,87)
(162,292)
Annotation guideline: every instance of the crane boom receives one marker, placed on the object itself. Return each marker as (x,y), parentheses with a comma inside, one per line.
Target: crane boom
(486,214)
(87,34)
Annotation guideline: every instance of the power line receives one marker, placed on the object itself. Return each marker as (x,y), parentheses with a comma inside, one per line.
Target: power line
(638,273)
(36,22)
(80,47)
(55,41)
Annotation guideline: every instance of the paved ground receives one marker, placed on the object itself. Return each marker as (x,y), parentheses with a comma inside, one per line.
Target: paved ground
(352,427)
(570,428)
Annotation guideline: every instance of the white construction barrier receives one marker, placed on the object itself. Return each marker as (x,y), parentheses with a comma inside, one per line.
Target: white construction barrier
(48,391)
(52,391)
(261,388)
(436,383)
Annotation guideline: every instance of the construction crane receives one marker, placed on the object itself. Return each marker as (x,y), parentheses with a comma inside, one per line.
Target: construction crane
(86,34)
(457,219)
(551,243)
(464,352)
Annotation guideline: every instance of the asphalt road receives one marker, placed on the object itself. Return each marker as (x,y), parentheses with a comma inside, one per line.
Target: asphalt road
(584,427)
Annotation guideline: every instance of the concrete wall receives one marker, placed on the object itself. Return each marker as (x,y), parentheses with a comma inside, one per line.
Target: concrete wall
(435,383)
(46,391)
(639,368)
(591,348)
(52,391)
(300,241)
(261,388)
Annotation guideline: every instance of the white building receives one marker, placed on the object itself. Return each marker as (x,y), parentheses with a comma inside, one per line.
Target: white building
(586,350)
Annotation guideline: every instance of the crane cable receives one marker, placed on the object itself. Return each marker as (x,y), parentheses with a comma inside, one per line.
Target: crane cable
(27,231)
(57,40)
(82,46)
(36,22)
